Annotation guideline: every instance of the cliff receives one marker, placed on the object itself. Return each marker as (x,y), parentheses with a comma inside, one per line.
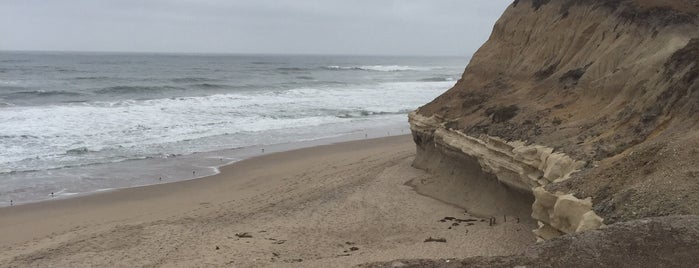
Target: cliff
(579,113)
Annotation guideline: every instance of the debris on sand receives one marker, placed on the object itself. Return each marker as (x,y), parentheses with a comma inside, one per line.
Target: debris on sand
(445,219)
(243,235)
(351,249)
(441,240)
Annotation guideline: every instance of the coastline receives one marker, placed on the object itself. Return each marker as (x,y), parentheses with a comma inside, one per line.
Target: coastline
(155,171)
(321,201)
(165,123)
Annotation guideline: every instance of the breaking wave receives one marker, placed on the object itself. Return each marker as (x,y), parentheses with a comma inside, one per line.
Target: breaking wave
(366,113)
(436,79)
(137,89)
(380,68)
(39,93)
(192,80)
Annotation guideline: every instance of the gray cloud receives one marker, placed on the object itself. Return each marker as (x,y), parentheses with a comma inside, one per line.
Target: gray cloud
(424,27)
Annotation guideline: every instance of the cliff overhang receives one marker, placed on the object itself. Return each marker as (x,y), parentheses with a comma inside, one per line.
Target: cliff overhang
(518,166)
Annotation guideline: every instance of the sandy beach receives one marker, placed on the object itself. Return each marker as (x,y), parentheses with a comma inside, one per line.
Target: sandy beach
(327,206)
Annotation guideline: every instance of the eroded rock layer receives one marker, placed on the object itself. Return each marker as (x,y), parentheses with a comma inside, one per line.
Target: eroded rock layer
(590,107)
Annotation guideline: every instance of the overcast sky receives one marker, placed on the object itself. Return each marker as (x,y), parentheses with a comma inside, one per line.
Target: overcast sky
(387,27)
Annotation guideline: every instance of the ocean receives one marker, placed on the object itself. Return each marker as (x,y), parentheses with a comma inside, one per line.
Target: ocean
(75,123)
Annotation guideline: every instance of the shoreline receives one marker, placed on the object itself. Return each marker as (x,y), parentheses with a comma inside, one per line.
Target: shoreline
(205,164)
(317,200)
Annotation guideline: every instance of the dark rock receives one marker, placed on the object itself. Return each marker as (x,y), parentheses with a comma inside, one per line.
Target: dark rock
(441,240)
(243,235)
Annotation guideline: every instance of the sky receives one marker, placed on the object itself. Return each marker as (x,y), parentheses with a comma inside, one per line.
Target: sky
(348,27)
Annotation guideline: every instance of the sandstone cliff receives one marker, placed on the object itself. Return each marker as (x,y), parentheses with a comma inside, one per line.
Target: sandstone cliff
(579,113)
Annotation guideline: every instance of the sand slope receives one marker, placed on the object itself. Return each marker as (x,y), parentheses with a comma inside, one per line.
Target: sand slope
(671,241)
(306,207)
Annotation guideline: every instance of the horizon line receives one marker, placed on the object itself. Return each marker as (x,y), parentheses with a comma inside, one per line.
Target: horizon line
(229,53)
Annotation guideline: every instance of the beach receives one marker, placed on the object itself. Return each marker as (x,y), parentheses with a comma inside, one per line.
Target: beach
(332,205)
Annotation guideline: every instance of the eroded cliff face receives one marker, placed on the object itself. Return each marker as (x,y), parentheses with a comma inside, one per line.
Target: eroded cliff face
(588,107)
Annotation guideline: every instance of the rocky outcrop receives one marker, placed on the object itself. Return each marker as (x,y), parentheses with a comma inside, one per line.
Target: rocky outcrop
(589,107)
(521,167)
(514,163)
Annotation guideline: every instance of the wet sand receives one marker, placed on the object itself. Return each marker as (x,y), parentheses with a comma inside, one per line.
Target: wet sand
(326,206)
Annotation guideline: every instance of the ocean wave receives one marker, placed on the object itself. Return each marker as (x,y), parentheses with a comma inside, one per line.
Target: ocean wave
(210,85)
(75,101)
(18,136)
(13,61)
(59,167)
(40,93)
(136,89)
(91,78)
(436,79)
(64,70)
(192,80)
(11,89)
(263,62)
(8,82)
(78,151)
(379,68)
(170,120)
(366,113)
(292,69)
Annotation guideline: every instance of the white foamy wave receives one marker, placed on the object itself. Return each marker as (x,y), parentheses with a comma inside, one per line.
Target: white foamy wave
(71,134)
(105,189)
(382,68)
(105,131)
(8,82)
(62,193)
(437,79)
(5,104)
